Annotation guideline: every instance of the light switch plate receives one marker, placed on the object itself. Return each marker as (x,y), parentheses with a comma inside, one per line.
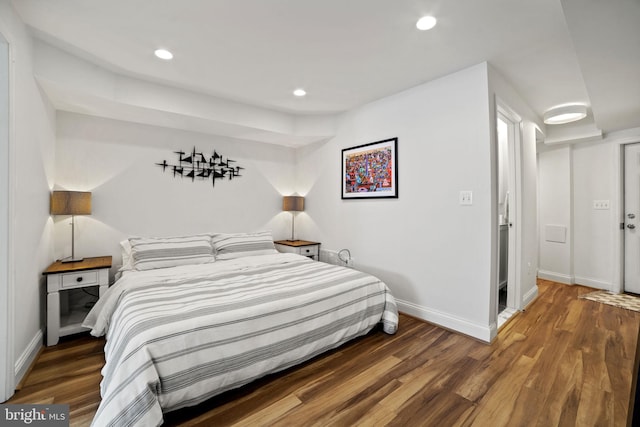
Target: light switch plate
(466,197)
(601,204)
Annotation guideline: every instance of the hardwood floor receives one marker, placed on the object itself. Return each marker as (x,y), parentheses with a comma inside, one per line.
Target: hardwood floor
(563,362)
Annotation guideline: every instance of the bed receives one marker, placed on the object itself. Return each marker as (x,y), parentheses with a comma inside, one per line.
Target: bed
(183,331)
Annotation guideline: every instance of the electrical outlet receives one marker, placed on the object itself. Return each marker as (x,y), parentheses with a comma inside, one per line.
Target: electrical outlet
(601,204)
(351,262)
(466,197)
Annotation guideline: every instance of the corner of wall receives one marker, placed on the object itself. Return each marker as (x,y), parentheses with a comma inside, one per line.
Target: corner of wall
(31,149)
(484,333)
(529,297)
(28,357)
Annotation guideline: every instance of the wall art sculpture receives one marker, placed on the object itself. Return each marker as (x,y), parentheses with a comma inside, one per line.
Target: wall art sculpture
(196,165)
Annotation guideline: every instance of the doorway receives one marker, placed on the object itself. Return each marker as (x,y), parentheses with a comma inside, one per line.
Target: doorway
(507,173)
(632,218)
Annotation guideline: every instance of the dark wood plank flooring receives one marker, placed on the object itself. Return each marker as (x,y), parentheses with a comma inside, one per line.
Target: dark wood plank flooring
(563,362)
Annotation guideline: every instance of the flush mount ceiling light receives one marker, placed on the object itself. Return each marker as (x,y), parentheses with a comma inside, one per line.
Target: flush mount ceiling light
(299,92)
(565,114)
(426,23)
(163,54)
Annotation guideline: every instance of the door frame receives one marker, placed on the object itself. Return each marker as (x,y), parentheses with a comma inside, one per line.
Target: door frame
(7,368)
(516,128)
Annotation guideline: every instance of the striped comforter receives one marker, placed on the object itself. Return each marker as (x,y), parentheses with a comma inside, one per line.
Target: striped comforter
(178,336)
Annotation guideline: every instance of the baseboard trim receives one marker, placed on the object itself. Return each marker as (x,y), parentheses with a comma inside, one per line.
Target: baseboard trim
(28,356)
(593,283)
(529,297)
(556,277)
(484,333)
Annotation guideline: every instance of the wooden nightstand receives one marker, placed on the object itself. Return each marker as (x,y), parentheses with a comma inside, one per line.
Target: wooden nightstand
(300,247)
(62,278)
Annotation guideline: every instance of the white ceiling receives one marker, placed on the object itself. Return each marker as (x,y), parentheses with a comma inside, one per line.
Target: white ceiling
(349,52)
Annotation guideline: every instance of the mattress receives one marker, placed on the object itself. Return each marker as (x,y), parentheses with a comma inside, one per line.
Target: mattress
(181,335)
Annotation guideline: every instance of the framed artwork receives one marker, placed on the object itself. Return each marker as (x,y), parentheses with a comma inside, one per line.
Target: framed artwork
(370,170)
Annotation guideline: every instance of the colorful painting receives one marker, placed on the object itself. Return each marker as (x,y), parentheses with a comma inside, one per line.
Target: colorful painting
(370,170)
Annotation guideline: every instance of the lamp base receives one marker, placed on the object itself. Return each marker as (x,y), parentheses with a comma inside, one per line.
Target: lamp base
(71,259)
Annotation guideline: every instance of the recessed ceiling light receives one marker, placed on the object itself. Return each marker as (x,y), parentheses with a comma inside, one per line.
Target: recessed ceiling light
(299,92)
(163,54)
(426,23)
(565,114)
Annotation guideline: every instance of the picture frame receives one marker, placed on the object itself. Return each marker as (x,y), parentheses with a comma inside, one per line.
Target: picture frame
(370,170)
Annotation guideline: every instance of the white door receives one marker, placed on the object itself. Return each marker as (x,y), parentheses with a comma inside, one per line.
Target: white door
(632,218)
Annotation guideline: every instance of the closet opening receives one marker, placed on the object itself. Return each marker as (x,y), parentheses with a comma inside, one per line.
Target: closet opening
(506,152)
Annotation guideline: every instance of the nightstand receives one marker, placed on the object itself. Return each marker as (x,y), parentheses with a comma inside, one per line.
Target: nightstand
(300,247)
(63,317)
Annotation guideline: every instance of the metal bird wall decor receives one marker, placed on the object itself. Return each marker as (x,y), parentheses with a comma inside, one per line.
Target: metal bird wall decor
(196,165)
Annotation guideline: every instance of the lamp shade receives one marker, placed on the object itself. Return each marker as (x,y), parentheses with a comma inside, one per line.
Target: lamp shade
(71,203)
(293,203)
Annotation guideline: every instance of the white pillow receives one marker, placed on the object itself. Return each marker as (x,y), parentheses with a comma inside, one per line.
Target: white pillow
(162,252)
(127,260)
(237,245)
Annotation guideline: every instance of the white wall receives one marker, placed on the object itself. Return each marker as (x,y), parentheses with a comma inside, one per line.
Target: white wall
(529,216)
(555,210)
(116,161)
(593,178)
(32,155)
(434,254)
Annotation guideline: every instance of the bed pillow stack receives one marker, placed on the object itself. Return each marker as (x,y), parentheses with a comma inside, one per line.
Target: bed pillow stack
(238,245)
(149,253)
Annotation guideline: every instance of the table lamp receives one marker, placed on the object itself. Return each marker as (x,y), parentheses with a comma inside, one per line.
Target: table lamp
(71,203)
(293,204)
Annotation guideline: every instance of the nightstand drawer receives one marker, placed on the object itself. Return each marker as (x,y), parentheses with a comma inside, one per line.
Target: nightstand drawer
(309,250)
(83,278)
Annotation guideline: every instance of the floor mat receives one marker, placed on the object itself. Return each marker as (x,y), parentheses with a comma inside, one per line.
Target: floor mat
(628,302)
